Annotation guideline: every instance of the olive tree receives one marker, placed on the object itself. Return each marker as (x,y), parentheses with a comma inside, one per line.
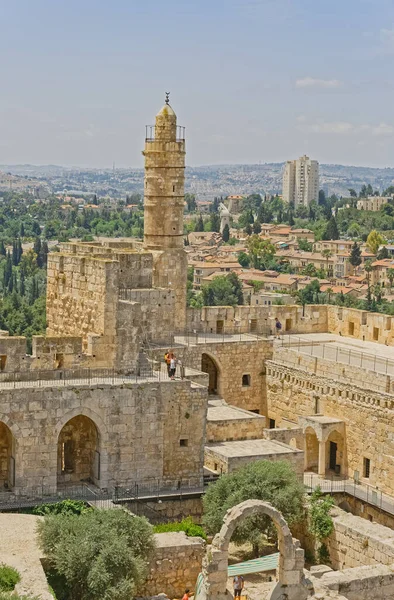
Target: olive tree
(101,555)
(274,482)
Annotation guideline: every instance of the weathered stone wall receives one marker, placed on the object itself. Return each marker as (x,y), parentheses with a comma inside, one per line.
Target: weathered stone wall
(362,583)
(361,324)
(145,432)
(366,511)
(238,429)
(233,360)
(175,566)
(258,319)
(356,542)
(157,313)
(292,392)
(174,509)
(218,462)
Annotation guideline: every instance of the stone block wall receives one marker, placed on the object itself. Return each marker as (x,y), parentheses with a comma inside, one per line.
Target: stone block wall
(175,565)
(233,360)
(218,462)
(356,542)
(258,319)
(251,428)
(362,583)
(157,313)
(362,325)
(292,392)
(146,431)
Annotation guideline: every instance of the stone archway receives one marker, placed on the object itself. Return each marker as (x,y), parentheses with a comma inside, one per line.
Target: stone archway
(7,460)
(209,365)
(291,581)
(78,456)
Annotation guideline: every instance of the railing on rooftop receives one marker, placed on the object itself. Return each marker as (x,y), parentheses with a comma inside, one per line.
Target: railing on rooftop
(363,491)
(332,352)
(151,134)
(84,376)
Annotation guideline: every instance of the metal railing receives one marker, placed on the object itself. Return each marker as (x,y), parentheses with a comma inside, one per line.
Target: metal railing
(84,376)
(331,351)
(101,498)
(362,491)
(151,134)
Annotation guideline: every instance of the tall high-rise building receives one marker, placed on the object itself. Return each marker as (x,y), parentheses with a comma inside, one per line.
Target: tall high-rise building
(301,181)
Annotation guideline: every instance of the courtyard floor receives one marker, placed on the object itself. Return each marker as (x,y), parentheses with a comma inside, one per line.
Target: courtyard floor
(19,549)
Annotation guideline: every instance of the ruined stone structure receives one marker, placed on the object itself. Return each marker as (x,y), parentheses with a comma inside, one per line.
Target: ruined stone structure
(291,581)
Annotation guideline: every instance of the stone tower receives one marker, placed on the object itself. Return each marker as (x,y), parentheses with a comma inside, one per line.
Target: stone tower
(164,198)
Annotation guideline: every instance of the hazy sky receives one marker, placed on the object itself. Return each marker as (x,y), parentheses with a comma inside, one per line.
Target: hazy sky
(252,80)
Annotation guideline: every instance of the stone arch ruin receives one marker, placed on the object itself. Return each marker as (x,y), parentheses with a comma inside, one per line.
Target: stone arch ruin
(291,583)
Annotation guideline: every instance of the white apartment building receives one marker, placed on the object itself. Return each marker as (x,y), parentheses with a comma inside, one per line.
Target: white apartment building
(301,181)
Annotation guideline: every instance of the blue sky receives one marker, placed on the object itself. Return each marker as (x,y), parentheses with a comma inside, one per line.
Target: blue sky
(252,80)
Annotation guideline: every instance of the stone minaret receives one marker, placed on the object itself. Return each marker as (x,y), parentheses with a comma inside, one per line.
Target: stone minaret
(164,205)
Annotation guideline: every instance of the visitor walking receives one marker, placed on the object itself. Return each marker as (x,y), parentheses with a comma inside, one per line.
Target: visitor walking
(278,327)
(186,595)
(167,360)
(238,585)
(172,366)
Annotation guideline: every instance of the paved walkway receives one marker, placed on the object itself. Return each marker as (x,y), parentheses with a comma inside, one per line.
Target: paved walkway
(366,355)
(19,549)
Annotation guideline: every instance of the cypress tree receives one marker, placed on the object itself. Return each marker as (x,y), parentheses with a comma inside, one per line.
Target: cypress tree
(20,250)
(355,255)
(14,253)
(226,233)
(3,251)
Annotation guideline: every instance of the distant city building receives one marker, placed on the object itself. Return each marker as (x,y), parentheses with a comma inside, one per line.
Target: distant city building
(301,181)
(372,203)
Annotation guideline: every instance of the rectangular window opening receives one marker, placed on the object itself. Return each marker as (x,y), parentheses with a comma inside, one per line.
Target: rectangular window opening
(246,380)
(184,443)
(367,467)
(272,423)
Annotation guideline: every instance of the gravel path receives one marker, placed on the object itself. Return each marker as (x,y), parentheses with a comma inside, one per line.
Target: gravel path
(19,549)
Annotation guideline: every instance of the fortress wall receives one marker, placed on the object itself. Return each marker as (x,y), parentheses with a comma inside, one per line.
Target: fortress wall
(233,360)
(140,428)
(82,293)
(157,314)
(361,324)
(258,319)
(368,416)
(365,378)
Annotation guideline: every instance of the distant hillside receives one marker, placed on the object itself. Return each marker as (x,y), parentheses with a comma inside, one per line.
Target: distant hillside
(205,181)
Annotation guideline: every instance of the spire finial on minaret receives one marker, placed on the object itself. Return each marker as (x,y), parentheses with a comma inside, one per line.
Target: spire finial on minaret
(167,97)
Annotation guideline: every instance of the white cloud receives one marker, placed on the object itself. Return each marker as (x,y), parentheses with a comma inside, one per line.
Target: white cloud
(338,127)
(308,82)
(346,128)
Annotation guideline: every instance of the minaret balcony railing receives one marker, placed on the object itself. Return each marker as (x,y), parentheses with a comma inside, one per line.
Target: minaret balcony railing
(151,134)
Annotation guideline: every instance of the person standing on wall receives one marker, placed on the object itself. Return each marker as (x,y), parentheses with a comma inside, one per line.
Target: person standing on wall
(278,327)
(172,366)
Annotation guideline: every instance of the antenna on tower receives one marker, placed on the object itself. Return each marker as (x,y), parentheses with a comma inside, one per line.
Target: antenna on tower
(167,97)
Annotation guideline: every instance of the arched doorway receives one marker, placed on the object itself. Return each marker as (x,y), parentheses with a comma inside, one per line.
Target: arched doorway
(291,581)
(335,453)
(209,366)
(7,461)
(78,456)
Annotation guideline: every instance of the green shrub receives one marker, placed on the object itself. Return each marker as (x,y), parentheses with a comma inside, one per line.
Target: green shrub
(187,525)
(9,577)
(65,507)
(100,554)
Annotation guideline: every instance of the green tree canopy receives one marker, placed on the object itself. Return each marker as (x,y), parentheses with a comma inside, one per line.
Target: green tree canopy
(374,240)
(355,255)
(261,252)
(223,290)
(102,555)
(331,231)
(275,482)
